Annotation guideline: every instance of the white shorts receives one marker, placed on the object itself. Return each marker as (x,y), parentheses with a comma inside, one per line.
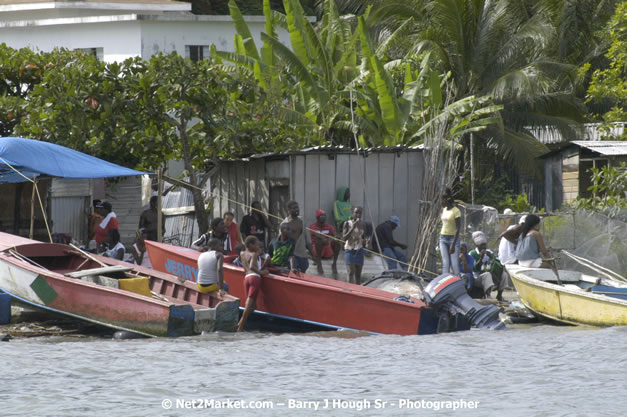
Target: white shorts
(531,263)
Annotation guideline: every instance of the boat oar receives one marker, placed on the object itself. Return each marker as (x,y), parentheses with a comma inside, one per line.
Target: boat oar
(87,255)
(554,269)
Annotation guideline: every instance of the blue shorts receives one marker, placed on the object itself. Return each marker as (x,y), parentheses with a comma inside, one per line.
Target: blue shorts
(354,257)
(301,263)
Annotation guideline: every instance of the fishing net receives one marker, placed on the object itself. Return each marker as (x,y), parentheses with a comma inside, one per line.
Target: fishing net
(593,236)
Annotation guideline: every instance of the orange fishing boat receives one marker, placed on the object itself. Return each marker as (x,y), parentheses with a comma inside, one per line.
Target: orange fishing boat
(308,300)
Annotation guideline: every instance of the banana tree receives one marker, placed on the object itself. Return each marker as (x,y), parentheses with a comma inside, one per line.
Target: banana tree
(312,74)
(404,117)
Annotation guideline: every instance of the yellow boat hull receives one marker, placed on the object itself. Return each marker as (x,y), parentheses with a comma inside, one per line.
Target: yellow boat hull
(572,306)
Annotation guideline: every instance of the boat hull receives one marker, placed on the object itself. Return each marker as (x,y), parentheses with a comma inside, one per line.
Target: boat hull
(94,303)
(572,306)
(176,309)
(311,299)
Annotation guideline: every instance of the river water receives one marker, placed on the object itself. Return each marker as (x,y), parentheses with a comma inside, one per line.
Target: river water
(527,371)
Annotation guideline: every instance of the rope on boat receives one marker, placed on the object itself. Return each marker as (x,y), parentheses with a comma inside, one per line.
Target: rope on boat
(595,267)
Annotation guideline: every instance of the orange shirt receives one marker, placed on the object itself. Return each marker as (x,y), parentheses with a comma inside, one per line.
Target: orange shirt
(101,234)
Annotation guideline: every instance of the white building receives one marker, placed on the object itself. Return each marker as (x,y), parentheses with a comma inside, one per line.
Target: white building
(113,30)
(118,29)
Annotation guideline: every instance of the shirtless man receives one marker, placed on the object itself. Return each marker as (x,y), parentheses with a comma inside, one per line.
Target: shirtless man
(297,232)
(252,281)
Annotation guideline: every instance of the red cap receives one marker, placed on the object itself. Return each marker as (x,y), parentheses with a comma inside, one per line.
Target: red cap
(319,212)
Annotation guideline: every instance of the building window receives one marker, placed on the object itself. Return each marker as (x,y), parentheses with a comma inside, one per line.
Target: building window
(196,52)
(97,52)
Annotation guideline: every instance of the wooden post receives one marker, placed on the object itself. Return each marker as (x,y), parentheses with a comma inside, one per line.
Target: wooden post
(32,209)
(159,212)
(472,171)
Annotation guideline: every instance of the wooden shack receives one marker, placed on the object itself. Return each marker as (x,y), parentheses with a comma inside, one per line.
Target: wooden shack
(567,168)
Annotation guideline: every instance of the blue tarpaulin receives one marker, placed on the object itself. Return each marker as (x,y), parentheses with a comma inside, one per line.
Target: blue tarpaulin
(34,158)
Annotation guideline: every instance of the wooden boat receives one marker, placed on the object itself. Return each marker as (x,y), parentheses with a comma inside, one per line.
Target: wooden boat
(581,299)
(310,299)
(108,292)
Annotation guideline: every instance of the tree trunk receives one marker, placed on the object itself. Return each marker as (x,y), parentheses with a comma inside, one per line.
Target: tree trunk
(196,189)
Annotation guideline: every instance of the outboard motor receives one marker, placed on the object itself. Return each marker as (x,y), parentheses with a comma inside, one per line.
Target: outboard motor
(447,293)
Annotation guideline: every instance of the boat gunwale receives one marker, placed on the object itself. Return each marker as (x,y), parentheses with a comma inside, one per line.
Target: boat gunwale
(386,296)
(19,263)
(547,285)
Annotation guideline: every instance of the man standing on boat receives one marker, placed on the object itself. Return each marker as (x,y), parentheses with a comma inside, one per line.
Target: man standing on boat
(297,232)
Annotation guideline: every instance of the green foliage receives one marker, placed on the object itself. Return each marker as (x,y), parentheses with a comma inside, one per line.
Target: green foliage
(518,203)
(339,85)
(21,71)
(609,185)
(142,114)
(86,107)
(610,83)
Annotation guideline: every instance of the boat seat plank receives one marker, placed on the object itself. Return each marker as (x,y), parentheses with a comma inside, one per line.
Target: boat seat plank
(98,271)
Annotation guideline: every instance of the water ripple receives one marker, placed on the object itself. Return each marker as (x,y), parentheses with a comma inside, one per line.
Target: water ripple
(535,371)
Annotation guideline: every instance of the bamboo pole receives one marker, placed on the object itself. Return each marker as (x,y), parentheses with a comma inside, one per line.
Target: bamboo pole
(32,209)
(159,212)
(472,170)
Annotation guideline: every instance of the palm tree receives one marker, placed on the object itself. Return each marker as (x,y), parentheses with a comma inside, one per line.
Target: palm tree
(522,53)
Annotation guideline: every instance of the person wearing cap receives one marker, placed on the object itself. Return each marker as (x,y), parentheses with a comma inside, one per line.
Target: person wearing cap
(489,272)
(109,221)
(386,244)
(509,240)
(323,244)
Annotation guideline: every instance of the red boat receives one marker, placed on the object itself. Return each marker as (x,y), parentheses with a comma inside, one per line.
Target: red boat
(105,291)
(310,299)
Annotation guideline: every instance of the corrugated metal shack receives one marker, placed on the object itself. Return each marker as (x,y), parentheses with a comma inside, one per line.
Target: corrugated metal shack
(71,204)
(566,172)
(385,181)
